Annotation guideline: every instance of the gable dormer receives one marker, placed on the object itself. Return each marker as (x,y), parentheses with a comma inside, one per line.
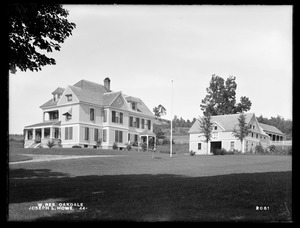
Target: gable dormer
(57,93)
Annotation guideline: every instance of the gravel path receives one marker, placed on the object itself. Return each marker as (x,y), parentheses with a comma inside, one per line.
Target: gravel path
(46,157)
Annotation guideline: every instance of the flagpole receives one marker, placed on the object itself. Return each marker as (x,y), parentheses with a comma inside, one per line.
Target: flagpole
(171,137)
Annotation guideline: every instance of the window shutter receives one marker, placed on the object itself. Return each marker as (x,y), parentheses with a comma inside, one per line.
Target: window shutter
(66,133)
(121,117)
(70,132)
(120,136)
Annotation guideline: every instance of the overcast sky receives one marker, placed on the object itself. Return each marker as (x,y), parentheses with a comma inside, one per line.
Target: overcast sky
(142,48)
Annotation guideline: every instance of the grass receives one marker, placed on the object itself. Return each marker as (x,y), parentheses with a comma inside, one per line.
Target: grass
(139,188)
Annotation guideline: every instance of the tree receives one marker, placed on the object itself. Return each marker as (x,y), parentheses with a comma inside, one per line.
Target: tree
(206,128)
(241,130)
(221,98)
(159,111)
(32,29)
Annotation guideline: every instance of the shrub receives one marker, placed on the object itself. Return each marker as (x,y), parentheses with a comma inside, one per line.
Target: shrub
(99,143)
(50,143)
(135,144)
(128,147)
(271,148)
(144,146)
(76,146)
(259,149)
(219,151)
(115,146)
(192,153)
(167,141)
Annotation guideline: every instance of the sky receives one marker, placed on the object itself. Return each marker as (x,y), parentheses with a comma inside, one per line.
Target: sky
(143,48)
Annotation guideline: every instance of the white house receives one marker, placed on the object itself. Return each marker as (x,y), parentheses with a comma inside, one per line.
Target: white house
(222,137)
(85,112)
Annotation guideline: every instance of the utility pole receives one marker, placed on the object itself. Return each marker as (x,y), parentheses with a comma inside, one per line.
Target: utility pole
(171,136)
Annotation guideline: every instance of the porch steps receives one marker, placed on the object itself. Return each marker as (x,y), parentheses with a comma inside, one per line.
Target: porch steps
(34,145)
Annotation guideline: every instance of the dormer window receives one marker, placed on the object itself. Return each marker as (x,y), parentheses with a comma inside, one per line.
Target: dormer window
(216,128)
(69,97)
(133,105)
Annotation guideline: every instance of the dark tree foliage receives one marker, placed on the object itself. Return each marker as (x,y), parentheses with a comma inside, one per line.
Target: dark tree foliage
(221,98)
(205,127)
(34,28)
(241,130)
(159,111)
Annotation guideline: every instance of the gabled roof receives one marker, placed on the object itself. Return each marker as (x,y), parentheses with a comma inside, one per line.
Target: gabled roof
(94,93)
(141,107)
(49,103)
(108,98)
(270,128)
(59,90)
(227,122)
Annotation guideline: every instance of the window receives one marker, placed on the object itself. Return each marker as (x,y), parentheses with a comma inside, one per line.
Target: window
(96,135)
(133,106)
(215,127)
(215,135)
(104,135)
(130,121)
(86,133)
(69,97)
(252,134)
(104,115)
(253,126)
(121,117)
(135,138)
(92,114)
(256,135)
(149,124)
(232,145)
(117,117)
(250,126)
(143,124)
(113,118)
(199,146)
(119,136)
(128,136)
(68,133)
(137,122)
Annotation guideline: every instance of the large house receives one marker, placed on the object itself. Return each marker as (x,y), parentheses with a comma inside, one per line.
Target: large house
(222,136)
(86,112)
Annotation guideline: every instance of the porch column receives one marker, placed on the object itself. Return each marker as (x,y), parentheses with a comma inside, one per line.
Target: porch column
(147,142)
(51,132)
(42,134)
(26,134)
(33,134)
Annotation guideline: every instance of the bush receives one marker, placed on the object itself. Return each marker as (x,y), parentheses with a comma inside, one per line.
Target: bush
(167,141)
(50,143)
(115,146)
(219,151)
(135,144)
(144,146)
(76,146)
(259,149)
(192,153)
(128,147)
(271,148)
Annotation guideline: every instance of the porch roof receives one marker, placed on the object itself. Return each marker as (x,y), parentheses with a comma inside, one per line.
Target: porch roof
(43,124)
(147,132)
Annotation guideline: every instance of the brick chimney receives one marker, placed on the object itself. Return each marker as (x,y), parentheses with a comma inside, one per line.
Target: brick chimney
(107,83)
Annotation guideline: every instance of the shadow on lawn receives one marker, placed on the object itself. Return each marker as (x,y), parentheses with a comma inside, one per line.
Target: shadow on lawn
(160,197)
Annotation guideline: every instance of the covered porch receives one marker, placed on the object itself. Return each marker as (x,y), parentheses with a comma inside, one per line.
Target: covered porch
(149,138)
(41,133)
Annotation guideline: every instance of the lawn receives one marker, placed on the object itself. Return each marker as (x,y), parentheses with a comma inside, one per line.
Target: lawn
(141,187)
